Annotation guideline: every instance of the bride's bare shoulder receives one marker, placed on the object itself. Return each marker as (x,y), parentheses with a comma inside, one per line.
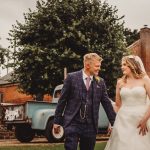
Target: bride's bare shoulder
(120,83)
(146,79)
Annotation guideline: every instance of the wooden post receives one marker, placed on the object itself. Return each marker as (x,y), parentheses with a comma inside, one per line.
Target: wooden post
(65,73)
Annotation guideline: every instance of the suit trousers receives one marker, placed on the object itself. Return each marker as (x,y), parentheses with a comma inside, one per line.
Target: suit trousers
(82,133)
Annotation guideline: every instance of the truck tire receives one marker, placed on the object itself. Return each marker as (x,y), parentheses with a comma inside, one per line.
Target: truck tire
(24,133)
(51,136)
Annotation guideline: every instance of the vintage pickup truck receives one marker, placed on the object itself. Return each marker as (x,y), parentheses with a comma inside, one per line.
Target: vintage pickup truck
(36,118)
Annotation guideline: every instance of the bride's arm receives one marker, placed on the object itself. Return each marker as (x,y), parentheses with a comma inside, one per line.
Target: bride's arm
(147,84)
(118,98)
(142,124)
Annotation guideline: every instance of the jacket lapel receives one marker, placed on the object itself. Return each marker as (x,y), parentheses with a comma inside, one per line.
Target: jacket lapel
(80,81)
(94,89)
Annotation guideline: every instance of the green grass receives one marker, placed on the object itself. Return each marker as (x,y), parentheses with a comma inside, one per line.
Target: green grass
(99,146)
(46,147)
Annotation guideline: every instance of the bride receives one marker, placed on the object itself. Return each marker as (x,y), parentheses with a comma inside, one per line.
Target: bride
(131,129)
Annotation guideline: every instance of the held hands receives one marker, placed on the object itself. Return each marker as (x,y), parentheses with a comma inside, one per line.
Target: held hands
(143,127)
(56,128)
(110,128)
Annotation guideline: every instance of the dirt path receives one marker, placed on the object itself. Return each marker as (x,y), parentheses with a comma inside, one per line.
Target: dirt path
(35,141)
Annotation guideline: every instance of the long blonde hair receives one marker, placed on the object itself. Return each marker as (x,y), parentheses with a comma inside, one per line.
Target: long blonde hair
(135,67)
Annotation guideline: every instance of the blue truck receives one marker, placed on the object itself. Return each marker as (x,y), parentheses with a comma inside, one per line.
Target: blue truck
(36,118)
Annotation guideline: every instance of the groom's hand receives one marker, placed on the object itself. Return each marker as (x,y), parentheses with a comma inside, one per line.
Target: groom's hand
(109,129)
(56,128)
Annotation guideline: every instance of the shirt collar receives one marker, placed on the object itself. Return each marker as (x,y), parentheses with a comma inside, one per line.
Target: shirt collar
(85,76)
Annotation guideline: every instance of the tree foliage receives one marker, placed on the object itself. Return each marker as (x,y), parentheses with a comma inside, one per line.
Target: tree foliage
(131,36)
(57,35)
(3,55)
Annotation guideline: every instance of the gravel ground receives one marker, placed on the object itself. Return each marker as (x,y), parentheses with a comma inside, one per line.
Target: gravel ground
(39,141)
(14,142)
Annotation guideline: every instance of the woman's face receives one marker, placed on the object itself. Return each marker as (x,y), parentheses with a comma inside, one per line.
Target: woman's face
(125,69)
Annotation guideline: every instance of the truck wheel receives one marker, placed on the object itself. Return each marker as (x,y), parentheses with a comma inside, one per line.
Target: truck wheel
(51,136)
(24,133)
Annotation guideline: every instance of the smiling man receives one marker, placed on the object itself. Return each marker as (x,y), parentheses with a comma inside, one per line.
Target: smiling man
(79,104)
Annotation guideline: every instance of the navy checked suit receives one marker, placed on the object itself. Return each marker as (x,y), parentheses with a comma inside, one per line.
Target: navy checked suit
(70,103)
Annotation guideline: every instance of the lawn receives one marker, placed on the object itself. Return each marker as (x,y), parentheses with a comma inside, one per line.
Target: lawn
(99,146)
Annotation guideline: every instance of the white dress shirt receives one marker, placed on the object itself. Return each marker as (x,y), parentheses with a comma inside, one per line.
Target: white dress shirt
(85,77)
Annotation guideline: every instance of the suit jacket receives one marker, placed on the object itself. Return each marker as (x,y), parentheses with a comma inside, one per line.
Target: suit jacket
(71,97)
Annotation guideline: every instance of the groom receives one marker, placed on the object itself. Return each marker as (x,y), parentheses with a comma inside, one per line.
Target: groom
(78,106)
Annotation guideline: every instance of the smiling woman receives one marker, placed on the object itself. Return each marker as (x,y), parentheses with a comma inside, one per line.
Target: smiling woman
(133,117)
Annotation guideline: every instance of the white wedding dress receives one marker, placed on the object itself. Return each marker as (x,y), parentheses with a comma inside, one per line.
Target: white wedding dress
(125,134)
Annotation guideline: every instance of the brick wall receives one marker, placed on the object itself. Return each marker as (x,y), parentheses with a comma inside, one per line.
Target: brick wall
(11,94)
(142,48)
(145,48)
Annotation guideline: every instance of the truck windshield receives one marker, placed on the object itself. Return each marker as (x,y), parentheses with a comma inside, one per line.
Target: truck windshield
(57,94)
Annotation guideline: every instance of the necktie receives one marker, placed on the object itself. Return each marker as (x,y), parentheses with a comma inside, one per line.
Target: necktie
(88,83)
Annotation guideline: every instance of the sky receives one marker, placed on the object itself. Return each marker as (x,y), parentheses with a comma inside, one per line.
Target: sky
(137,14)
(10,11)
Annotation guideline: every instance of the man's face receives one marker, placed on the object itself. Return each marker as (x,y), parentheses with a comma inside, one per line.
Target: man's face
(94,67)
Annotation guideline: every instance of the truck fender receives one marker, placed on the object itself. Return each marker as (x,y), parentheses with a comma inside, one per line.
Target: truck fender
(41,117)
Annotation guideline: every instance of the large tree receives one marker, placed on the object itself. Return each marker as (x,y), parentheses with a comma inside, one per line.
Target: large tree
(57,35)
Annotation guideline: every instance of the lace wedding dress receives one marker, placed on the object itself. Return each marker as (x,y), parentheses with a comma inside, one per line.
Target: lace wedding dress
(125,134)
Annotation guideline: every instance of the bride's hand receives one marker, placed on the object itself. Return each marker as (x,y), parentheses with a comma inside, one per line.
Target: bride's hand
(143,127)
(110,128)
